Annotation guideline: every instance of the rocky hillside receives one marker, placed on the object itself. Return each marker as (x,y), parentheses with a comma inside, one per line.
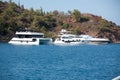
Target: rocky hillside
(95,26)
(15,17)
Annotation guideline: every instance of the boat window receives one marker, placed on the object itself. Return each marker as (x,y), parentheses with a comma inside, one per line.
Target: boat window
(30,36)
(59,39)
(64,37)
(21,36)
(33,40)
(83,41)
(27,36)
(37,36)
(69,37)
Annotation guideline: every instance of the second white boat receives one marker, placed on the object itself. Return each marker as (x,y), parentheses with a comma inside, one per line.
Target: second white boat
(70,39)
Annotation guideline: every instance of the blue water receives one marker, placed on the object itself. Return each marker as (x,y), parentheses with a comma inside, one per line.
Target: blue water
(49,62)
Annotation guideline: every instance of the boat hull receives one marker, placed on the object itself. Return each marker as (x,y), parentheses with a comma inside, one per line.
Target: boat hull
(82,41)
(45,41)
(30,41)
(67,43)
(99,41)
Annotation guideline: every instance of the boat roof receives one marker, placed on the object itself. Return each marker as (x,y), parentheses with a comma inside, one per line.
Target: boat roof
(28,33)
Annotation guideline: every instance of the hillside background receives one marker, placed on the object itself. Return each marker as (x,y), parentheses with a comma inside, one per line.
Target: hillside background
(14,17)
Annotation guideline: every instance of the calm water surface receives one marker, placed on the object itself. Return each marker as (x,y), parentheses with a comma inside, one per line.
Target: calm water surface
(49,62)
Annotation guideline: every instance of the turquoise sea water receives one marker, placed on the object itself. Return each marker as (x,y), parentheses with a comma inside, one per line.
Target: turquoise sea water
(49,62)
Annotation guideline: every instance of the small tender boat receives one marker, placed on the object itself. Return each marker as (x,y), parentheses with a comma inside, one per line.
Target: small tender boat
(70,39)
(29,38)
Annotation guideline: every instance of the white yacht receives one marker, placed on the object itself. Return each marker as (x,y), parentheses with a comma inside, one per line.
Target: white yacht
(70,39)
(67,39)
(29,38)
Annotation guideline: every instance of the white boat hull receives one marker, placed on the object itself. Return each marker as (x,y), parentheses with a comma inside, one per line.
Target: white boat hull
(67,43)
(30,41)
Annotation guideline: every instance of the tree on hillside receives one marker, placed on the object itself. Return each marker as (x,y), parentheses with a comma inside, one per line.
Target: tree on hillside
(69,12)
(55,12)
(8,17)
(104,26)
(39,12)
(65,26)
(76,15)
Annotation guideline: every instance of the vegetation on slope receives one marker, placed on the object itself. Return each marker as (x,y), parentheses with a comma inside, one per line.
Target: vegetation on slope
(15,17)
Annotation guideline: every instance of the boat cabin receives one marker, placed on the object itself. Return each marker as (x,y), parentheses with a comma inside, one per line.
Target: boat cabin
(29,35)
